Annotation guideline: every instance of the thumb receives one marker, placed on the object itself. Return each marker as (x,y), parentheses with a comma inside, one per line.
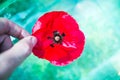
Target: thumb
(23,48)
(11,58)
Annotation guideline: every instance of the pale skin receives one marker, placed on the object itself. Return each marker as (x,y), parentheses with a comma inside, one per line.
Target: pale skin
(11,55)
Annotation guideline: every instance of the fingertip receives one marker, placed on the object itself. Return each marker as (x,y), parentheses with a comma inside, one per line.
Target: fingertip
(24,33)
(25,45)
(29,42)
(34,40)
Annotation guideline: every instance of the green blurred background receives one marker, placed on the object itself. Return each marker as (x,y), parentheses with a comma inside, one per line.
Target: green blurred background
(98,19)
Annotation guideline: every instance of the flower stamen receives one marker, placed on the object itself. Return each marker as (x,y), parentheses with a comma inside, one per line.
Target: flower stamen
(57,38)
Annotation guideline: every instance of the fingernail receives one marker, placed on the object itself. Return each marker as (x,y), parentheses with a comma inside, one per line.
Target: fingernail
(34,40)
(25,34)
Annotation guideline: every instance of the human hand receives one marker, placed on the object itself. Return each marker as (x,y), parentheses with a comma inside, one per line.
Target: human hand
(12,55)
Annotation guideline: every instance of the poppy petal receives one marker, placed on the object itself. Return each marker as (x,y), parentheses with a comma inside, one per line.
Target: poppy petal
(60,40)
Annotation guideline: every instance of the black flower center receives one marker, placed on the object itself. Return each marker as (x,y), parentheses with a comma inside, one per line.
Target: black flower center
(57,38)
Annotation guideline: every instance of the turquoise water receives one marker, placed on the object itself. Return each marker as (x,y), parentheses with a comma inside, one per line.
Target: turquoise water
(98,19)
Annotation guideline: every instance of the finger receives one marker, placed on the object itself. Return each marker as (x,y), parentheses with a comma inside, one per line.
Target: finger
(5,42)
(14,56)
(8,27)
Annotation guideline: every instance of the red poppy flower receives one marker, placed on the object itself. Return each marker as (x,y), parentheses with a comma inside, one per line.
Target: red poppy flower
(59,39)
